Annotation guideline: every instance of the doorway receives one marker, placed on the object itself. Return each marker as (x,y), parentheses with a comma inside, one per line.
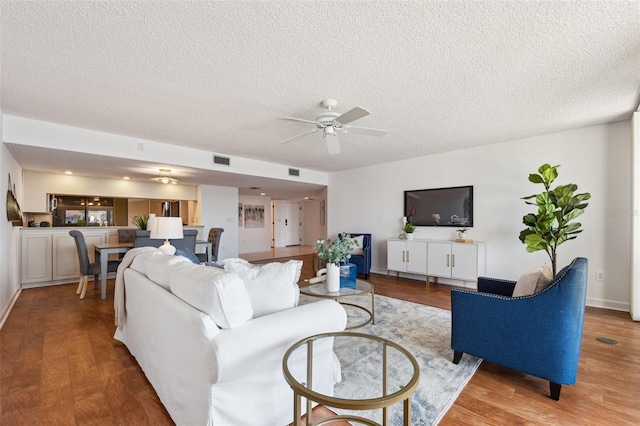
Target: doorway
(286,227)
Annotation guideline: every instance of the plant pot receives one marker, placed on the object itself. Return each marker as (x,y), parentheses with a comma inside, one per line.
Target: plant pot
(333,278)
(409,235)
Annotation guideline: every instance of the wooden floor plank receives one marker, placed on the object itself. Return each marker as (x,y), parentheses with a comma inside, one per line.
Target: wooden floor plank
(59,364)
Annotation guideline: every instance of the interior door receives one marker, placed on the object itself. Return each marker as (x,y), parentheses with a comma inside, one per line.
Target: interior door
(287,223)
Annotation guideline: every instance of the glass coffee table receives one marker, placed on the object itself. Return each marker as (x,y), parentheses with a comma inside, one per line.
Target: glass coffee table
(376,374)
(362,288)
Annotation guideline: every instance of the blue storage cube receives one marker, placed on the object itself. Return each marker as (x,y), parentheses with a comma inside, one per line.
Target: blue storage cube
(348,275)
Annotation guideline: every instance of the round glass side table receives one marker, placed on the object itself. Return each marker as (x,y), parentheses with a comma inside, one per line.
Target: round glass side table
(362,288)
(375,390)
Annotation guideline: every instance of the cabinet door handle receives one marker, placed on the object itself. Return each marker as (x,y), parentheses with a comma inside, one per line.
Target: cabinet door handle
(447,260)
(403,256)
(453,260)
(407,256)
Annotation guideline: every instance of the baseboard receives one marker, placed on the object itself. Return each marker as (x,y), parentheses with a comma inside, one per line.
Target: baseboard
(7,310)
(608,304)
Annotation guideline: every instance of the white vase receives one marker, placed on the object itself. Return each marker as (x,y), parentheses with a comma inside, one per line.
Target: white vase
(333,278)
(409,235)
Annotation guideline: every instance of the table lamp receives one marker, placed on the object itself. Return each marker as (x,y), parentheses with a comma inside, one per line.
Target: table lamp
(167,228)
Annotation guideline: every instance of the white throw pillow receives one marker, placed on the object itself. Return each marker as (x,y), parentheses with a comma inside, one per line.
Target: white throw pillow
(272,287)
(533,281)
(157,268)
(359,249)
(214,291)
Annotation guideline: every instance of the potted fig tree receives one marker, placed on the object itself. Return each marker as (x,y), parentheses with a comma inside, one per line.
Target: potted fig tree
(557,208)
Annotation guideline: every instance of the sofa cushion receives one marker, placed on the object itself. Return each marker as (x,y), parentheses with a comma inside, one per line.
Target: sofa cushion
(156,267)
(187,253)
(533,281)
(214,291)
(272,287)
(359,249)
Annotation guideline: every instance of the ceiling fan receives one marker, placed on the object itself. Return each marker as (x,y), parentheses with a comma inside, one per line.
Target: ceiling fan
(330,122)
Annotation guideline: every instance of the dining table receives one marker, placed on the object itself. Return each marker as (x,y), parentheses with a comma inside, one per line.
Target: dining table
(102,252)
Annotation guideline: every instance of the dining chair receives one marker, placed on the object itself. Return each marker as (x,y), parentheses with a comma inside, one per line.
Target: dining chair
(214,237)
(88,268)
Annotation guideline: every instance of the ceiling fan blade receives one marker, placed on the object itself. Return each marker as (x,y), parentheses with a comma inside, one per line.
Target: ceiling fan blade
(298,136)
(352,115)
(333,145)
(364,131)
(299,119)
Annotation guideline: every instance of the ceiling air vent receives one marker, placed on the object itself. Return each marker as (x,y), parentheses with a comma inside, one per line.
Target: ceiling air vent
(294,172)
(221,160)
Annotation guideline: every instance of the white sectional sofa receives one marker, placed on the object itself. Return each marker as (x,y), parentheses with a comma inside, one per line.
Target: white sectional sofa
(209,359)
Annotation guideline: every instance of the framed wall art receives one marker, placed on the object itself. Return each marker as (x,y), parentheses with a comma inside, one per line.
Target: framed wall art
(253,216)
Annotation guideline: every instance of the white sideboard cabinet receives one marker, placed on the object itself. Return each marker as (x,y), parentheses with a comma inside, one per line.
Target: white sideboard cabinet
(437,259)
(407,256)
(462,261)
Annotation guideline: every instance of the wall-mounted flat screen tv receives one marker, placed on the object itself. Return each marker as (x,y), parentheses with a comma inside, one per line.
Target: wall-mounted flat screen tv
(440,207)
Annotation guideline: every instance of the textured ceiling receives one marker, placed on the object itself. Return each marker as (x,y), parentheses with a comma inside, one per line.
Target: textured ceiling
(218,75)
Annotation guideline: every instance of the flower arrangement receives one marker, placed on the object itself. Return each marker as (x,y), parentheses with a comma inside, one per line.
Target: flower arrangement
(462,230)
(337,250)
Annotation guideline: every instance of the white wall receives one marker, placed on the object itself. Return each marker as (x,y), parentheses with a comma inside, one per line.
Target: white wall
(9,236)
(254,240)
(370,199)
(218,207)
(312,229)
(635,245)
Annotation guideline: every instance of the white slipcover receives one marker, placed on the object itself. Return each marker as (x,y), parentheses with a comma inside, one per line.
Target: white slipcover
(207,376)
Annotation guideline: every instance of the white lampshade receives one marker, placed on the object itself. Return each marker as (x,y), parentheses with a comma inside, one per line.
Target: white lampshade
(167,228)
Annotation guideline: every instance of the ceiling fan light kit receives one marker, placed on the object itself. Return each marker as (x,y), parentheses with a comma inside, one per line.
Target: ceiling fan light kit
(331,122)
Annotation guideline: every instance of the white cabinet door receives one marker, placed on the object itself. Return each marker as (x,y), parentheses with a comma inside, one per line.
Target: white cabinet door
(65,257)
(112,238)
(36,258)
(464,261)
(93,238)
(396,256)
(439,259)
(417,257)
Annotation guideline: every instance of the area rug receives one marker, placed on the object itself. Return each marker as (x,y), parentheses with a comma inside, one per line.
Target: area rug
(426,333)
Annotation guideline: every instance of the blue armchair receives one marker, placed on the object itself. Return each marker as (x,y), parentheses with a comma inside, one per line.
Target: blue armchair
(362,261)
(538,334)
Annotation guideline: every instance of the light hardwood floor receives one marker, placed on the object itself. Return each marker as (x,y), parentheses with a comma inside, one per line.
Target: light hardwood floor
(59,365)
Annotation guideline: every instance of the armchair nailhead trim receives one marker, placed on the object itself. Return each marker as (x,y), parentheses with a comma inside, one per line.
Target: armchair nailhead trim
(498,296)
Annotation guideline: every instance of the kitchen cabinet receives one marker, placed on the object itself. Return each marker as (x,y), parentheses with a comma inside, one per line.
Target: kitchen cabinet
(65,255)
(49,255)
(36,257)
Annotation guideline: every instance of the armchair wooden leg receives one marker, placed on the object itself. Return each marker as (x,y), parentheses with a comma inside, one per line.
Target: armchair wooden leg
(457,356)
(555,390)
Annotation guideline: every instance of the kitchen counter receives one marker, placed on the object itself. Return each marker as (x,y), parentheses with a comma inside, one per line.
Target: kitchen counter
(49,255)
(91,228)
